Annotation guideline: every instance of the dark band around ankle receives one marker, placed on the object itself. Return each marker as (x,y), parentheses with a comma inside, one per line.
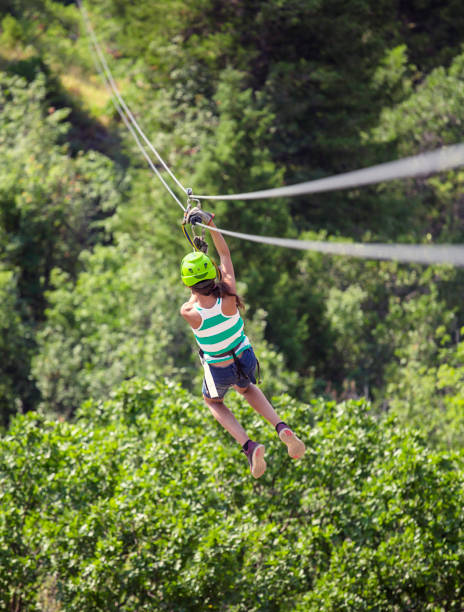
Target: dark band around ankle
(281,426)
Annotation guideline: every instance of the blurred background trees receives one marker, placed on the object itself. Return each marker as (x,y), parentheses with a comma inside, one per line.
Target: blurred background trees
(100,429)
(236,97)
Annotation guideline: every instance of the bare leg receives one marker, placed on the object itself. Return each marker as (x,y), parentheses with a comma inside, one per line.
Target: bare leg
(225,417)
(256,398)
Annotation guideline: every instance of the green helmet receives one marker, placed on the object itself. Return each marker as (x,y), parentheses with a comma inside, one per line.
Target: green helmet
(196,267)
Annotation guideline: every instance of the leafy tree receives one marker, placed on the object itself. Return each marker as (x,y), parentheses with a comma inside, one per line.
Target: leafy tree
(347,321)
(376,314)
(429,117)
(96,514)
(50,203)
(17,392)
(429,394)
(51,207)
(118,321)
(435,31)
(238,96)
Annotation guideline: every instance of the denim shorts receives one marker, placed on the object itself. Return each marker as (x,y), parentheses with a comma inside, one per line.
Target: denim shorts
(224,378)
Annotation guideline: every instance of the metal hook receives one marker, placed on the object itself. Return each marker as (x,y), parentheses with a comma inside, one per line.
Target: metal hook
(190,199)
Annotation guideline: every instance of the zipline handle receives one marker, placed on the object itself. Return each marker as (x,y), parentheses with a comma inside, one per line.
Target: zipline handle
(198,243)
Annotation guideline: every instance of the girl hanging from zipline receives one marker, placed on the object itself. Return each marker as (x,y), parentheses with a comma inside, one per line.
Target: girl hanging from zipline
(226,353)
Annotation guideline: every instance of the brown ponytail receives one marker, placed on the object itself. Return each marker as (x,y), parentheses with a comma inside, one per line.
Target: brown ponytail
(218,289)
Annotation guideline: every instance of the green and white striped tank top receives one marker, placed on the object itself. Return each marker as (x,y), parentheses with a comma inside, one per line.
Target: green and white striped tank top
(219,333)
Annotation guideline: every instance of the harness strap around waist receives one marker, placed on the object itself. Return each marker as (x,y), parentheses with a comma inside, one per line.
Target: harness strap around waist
(238,365)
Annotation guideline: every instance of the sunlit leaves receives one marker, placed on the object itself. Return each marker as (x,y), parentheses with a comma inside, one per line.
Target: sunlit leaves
(143,500)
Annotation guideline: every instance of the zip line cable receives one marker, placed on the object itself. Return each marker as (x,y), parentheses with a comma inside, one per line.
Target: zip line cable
(427,163)
(105,70)
(145,154)
(445,158)
(406,253)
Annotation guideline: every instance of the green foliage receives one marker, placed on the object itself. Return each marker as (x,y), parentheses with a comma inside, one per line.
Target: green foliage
(120,320)
(143,501)
(392,73)
(429,117)
(429,393)
(12,32)
(50,204)
(431,114)
(17,393)
(99,512)
(242,97)
(51,207)
(434,31)
(376,314)
(276,378)
(347,321)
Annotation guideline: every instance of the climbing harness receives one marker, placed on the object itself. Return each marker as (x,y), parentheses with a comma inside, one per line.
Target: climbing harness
(209,380)
(209,377)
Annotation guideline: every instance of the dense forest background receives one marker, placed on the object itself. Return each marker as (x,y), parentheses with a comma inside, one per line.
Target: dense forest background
(117,490)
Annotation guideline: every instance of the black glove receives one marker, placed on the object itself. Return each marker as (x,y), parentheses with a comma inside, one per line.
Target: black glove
(197,215)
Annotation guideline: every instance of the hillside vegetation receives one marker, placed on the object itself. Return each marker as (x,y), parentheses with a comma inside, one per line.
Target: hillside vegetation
(116,489)
(143,504)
